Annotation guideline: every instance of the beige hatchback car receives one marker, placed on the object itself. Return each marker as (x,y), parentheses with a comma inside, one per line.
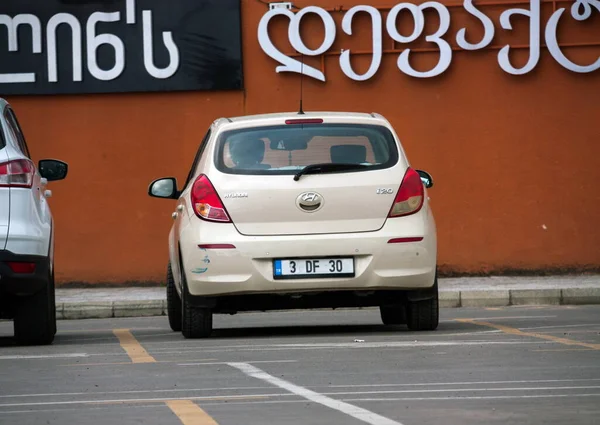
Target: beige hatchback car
(301,211)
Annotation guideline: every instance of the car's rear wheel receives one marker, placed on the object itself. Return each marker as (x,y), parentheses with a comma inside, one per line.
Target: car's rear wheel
(35,318)
(196,322)
(393,315)
(424,315)
(173,302)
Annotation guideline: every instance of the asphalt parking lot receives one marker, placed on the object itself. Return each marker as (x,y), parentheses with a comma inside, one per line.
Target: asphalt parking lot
(525,365)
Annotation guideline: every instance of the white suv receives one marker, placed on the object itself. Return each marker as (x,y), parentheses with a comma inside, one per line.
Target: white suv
(290,211)
(26,235)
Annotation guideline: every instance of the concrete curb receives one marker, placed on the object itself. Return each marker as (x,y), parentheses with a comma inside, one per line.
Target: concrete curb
(449,298)
(110,309)
(519,297)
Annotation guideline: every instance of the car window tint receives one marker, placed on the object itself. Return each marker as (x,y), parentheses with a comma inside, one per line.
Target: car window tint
(198,157)
(286,149)
(2,130)
(15,129)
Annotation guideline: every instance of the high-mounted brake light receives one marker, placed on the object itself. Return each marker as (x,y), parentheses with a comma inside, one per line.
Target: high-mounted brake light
(206,202)
(409,198)
(17,173)
(305,121)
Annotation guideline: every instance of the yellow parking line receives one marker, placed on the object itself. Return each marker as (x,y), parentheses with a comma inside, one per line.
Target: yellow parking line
(514,331)
(132,347)
(189,413)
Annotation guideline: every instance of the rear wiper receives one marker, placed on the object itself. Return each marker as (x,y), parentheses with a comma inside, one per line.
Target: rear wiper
(327,168)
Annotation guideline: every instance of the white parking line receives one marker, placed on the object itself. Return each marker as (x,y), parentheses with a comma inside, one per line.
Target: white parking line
(449,398)
(489,318)
(466,390)
(492,397)
(401,344)
(295,390)
(44,356)
(424,384)
(139,400)
(173,390)
(218,389)
(85,409)
(560,326)
(349,409)
(343,345)
(229,403)
(168,390)
(251,361)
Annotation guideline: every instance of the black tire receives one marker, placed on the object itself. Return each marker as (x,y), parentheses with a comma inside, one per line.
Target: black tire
(196,322)
(392,315)
(424,315)
(35,318)
(53,303)
(173,302)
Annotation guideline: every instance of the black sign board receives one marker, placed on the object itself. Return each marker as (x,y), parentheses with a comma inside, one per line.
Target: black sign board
(108,46)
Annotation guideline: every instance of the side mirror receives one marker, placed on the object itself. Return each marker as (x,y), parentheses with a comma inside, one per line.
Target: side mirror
(426,178)
(52,169)
(164,188)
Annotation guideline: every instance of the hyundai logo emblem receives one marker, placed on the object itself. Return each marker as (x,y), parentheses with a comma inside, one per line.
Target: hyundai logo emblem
(310,201)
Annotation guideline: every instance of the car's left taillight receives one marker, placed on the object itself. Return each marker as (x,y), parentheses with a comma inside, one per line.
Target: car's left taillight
(17,173)
(206,202)
(410,196)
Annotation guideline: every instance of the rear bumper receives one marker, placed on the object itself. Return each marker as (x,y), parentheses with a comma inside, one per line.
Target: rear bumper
(23,284)
(248,268)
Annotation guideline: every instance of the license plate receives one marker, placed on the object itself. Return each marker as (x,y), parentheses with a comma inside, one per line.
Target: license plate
(313,268)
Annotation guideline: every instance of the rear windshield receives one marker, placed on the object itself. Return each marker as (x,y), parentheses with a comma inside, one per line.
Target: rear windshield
(287,149)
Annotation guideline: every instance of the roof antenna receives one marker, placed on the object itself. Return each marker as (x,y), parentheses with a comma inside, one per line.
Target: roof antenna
(301,112)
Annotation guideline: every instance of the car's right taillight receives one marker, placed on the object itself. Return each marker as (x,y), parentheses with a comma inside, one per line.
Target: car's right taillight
(17,173)
(409,198)
(206,202)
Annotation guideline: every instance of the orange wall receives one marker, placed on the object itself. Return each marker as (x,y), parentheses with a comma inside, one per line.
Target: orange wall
(516,159)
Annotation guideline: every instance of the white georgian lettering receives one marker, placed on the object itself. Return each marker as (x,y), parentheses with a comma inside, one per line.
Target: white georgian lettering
(581,10)
(53,23)
(534,38)
(392,19)
(288,64)
(377,43)
(130,12)
(153,70)
(95,41)
(419,19)
(12,25)
(16,78)
(488,27)
(296,38)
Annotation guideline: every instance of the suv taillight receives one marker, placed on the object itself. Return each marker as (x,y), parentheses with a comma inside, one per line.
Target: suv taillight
(206,202)
(409,198)
(17,173)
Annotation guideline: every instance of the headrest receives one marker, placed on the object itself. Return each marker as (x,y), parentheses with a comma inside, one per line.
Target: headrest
(247,151)
(348,154)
